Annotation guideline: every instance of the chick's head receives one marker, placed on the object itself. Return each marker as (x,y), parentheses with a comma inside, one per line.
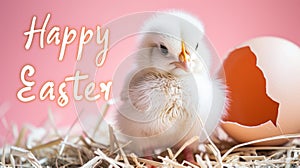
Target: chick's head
(173,42)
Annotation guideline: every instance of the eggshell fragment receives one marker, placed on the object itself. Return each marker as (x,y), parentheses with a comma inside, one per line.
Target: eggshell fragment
(263,79)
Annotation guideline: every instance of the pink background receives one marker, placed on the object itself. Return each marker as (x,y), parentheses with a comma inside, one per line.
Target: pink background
(228,23)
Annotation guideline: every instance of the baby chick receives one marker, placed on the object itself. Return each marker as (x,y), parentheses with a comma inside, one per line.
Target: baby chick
(171,96)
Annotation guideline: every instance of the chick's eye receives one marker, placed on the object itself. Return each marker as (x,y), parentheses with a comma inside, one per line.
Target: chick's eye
(196,46)
(163,49)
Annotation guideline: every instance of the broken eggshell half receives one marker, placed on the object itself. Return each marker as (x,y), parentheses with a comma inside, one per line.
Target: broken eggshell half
(263,80)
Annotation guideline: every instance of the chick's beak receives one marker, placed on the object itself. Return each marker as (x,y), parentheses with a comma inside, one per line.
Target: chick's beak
(184,59)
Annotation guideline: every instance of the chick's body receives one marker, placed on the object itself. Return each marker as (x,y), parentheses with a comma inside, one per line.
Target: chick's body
(171,96)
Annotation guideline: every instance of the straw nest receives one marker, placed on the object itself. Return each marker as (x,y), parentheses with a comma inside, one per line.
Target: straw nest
(71,149)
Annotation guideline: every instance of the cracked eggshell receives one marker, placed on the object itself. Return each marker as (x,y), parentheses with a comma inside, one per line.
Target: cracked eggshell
(263,79)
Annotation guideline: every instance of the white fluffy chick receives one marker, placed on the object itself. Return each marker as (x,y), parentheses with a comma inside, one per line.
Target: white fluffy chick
(171,96)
